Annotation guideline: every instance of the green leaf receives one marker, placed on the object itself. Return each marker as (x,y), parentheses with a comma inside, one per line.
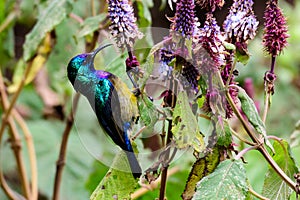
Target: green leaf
(148,66)
(228,181)
(185,126)
(242,55)
(2,11)
(116,184)
(200,101)
(90,25)
(223,132)
(274,187)
(201,168)
(47,145)
(144,14)
(251,112)
(147,110)
(17,77)
(97,174)
(229,46)
(56,11)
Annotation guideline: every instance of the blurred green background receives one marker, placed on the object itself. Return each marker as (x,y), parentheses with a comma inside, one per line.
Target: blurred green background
(82,172)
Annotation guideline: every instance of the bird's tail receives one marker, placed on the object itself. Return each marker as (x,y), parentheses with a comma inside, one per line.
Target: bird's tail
(134,164)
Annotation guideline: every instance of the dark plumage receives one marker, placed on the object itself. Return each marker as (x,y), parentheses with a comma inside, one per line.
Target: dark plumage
(112,101)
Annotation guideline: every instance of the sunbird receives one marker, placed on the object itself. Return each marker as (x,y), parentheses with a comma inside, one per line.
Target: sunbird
(112,101)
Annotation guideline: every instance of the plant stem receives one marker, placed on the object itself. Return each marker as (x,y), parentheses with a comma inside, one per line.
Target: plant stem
(279,171)
(63,148)
(254,193)
(266,106)
(244,151)
(93,8)
(29,142)
(31,152)
(241,138)
(16,141)
(273,64)
(76,18)
(7,190)
(256,140)
(231,72)
(164,173)
(268,93)
(14,98)
(16,147)
(153,185)
(164,169)
(261,147)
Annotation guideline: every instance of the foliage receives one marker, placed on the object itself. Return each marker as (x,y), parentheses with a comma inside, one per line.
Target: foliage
(274,187)
(186,131)
(227,182)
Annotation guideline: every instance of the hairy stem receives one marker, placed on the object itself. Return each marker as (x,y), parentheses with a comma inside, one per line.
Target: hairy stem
(63,148)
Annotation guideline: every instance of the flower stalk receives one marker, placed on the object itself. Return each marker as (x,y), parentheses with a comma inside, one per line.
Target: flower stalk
(274,41)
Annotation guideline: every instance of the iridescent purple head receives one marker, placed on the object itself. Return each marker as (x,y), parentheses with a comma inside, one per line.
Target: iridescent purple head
(83,60)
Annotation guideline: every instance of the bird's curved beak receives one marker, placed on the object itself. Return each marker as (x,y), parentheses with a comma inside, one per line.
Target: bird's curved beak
(91,56)
(94,53)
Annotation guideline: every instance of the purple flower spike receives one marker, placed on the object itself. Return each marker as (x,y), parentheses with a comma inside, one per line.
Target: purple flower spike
(210,5)
(208,50)
(184,21)
(275,32)
(240,24)
(123,27)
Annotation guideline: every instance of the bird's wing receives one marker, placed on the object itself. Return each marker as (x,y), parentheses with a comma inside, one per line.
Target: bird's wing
(109,116)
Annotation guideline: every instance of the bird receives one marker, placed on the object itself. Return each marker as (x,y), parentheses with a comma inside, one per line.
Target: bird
(111,100)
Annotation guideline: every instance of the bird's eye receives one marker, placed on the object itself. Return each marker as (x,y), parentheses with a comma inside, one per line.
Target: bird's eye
(100,83)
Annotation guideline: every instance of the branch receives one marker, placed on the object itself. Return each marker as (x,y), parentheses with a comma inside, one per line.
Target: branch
(244,151)
(14,98)
(254,193)
(153,185)
(9,19)
(165,166)
(31,152)
(76,18)
(261,147)
(164,169)
(63,148)
(256,140)
(16,144)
